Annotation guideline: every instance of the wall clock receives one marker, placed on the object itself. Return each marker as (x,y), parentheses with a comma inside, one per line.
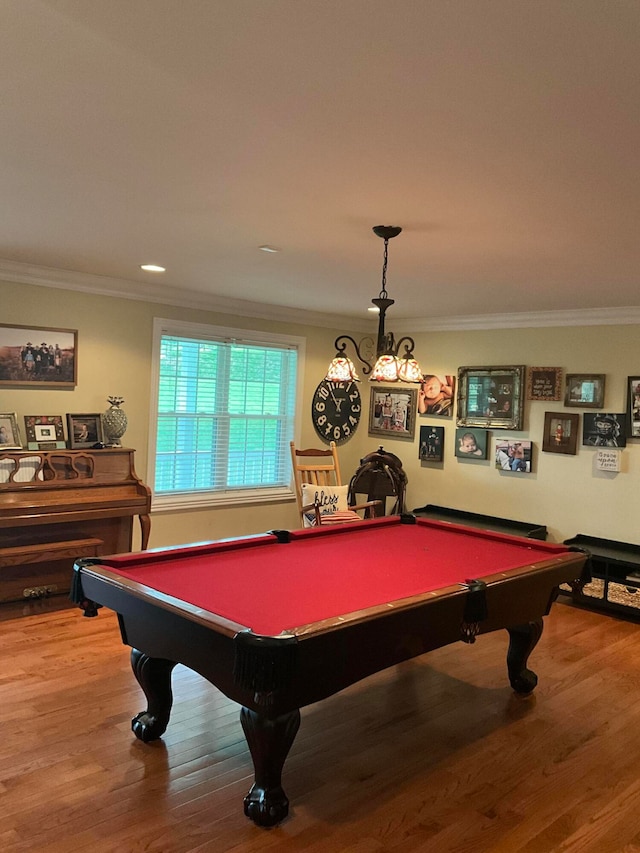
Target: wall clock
(336,410)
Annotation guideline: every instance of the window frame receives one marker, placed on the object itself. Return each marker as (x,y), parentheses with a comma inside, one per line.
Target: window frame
(225,497)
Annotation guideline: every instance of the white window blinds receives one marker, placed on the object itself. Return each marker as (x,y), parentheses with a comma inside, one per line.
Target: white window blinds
(225,414)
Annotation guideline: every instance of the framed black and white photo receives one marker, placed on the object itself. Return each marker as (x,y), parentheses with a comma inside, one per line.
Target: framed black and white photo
(585,390)
(38,357)
(84,430)
(604,429)
(491,397)
(560,432)
(9,432)
(431,444)
(392,412)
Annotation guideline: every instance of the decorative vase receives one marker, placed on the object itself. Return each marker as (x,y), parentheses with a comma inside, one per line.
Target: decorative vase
(114,421)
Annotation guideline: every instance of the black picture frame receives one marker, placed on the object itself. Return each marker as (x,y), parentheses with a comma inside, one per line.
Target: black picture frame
(38,356)
(431,447)
(561,432)
(585,390)
(84,430)
(491,397)
(604,429)
(633,407)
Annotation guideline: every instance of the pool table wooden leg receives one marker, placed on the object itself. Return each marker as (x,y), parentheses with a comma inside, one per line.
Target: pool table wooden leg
(154,676)
(269,743)
(523,640)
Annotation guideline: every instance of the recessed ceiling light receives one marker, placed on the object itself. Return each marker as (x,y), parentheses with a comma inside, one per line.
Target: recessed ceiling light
(152,268)
(268,249)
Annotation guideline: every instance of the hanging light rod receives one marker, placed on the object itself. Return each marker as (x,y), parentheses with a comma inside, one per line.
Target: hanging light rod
(389,367)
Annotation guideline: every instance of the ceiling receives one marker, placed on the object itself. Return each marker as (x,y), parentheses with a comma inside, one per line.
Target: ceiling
(503,136)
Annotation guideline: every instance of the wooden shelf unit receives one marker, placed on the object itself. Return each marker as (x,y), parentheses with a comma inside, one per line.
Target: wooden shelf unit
(615,569)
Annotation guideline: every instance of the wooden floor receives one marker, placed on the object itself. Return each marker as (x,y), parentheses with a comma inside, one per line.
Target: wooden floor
(434,755)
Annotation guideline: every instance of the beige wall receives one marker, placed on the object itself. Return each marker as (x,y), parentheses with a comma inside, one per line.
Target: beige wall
(564,492)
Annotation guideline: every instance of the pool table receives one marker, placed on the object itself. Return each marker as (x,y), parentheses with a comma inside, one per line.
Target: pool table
(283,619)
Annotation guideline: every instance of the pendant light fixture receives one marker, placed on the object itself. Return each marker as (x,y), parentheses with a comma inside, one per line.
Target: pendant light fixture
(389,366)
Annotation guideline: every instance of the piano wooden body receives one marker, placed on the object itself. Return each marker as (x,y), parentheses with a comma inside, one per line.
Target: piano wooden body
(58,505)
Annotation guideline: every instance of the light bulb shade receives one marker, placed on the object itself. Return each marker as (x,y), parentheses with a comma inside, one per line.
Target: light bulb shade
(409,370)
(385,369)
(342,369)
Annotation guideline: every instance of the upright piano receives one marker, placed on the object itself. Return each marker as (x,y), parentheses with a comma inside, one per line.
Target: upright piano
(58,505)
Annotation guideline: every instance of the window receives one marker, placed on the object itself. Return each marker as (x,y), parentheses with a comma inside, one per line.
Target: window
(223,414)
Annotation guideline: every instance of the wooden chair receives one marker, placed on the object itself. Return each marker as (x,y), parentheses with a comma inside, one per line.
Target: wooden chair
(320,471)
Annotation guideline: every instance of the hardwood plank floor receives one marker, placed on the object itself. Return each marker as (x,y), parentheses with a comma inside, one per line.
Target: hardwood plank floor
(434,755)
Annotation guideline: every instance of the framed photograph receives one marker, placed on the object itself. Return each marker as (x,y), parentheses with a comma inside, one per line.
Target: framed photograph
(392,412)
(633,407)
(491,397)
(9,432)
(431,443)
(514,454)
(605,429)
(44,432)
(471,443)
(544,383)
(560,432)
(38,357)
(84,430)
(584,390)
(436,395)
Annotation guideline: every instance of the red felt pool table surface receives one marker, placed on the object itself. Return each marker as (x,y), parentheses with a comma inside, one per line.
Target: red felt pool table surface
(327,573)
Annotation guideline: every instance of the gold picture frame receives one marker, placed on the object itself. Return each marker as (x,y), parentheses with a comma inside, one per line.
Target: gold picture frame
(491,397)
(392,412)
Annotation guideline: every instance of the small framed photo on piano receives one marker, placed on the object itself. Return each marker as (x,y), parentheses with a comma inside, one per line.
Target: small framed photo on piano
(84,431)
(9,432)
(44,432)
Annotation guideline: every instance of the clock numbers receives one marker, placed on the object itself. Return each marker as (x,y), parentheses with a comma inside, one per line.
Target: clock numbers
(336,410)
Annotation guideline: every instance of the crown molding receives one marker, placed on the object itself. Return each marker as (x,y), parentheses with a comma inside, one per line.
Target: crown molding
(21,273)
(161,294)
(629,315)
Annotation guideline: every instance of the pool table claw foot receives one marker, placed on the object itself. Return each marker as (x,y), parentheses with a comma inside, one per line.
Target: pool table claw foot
(146,727)
(523,640)
(269,742)
(266,807)
(154,677)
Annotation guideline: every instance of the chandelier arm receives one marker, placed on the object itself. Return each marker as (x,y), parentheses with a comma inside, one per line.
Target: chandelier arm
(341,348)
(408,347)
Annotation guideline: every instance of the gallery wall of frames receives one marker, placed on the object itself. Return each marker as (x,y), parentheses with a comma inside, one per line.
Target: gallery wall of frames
(490,403)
